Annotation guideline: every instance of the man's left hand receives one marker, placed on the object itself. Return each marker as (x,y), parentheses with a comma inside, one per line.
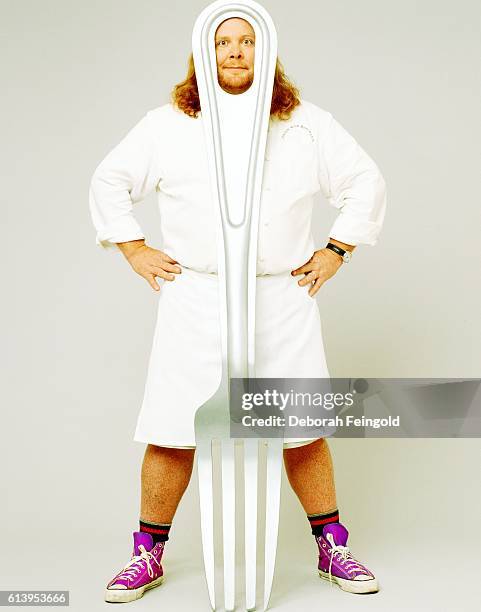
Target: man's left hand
(322,265)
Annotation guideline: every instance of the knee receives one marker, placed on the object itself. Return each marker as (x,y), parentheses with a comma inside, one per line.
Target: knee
(307,447)
(171,453)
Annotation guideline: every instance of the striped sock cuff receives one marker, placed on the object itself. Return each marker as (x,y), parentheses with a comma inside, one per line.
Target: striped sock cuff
(158,531)
(317,521)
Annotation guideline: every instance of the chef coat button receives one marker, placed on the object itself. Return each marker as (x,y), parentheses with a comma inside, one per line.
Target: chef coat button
(266,159)
(266,223)
(267,188)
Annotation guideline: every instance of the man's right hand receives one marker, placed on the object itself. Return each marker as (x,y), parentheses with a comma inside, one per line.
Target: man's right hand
(149,262)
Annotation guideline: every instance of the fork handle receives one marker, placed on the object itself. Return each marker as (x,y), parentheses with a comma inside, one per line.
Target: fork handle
(236,127)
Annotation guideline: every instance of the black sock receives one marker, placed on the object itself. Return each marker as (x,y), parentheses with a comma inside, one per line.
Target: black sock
(318,521)
(158,531)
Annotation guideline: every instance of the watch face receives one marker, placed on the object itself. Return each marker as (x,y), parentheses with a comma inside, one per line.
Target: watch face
(347,257)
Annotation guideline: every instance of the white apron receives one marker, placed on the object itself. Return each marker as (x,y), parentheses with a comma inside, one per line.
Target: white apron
(185,363)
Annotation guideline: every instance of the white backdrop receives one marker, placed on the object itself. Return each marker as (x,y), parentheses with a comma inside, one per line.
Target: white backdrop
(77,75)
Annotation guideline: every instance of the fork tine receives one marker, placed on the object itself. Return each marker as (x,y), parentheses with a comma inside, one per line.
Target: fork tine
(204,471)
(251,448)
(273,494)
(228,520)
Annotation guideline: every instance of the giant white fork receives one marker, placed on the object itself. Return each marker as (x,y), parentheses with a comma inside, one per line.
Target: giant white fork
(236,132)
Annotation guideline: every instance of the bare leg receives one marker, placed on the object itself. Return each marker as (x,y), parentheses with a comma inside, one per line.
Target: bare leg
(310,472)
(165,473)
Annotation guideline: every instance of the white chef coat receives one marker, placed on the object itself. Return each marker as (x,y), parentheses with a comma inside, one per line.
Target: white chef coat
(309,152)
(165,152)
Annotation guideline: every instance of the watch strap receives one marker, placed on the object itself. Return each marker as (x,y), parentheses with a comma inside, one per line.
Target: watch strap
(335,248)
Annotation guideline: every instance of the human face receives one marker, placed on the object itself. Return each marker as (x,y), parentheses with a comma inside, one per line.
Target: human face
(234,47)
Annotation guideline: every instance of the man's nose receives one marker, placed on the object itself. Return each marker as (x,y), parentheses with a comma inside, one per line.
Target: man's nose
(236,53)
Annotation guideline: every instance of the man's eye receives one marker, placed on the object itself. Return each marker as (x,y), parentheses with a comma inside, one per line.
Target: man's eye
(221,42)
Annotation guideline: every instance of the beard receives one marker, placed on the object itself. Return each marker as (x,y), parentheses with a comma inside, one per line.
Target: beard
(235,83)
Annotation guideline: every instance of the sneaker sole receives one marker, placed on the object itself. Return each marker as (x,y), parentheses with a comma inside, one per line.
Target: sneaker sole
(353,586)
(126,595)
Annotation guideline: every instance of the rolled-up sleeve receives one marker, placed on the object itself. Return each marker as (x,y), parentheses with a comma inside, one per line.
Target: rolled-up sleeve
(128,174)
(351,182)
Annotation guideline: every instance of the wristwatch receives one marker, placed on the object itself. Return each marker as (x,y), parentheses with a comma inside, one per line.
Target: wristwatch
(346,255)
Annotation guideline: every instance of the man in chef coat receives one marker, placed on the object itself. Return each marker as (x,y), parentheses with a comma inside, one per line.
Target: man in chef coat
(307,151)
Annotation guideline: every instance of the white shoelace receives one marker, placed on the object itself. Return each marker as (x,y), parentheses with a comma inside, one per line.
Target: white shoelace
(134,566)
(345,557)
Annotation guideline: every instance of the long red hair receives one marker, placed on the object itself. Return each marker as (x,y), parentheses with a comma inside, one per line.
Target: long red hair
(285,95)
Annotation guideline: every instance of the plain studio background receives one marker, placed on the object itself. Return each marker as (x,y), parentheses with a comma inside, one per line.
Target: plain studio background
(77,76)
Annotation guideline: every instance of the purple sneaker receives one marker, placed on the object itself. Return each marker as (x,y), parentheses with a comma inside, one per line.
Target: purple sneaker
(142,572)
(337,564)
